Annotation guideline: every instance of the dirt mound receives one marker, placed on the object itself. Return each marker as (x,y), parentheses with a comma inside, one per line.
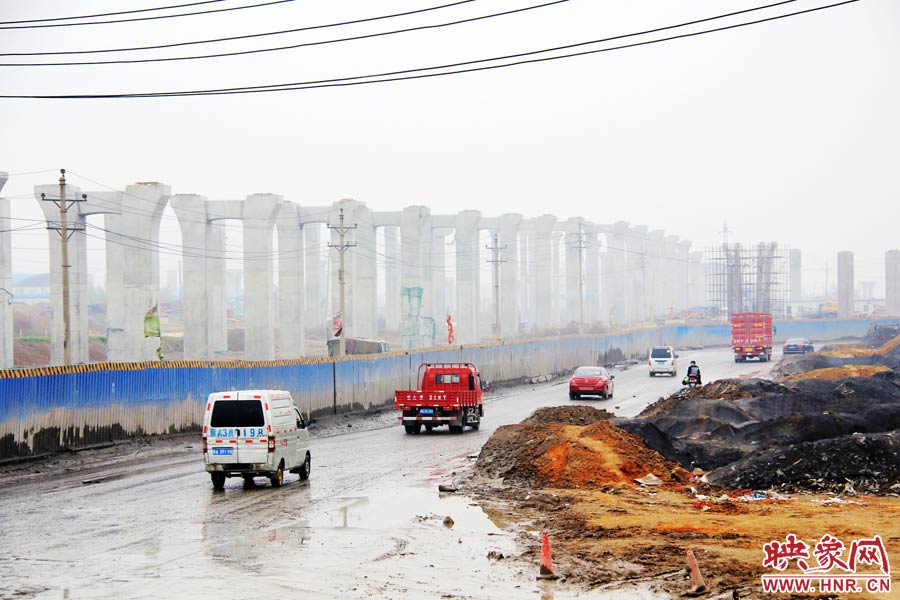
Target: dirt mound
(595,456)
(857,350)
(567,415)
(833,373)
(863,463)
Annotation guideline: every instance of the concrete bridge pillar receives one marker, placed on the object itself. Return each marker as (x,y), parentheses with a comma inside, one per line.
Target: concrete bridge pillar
(468,277)
(260,212)
(657,269)
(795,266)
(846,282)
(543,286)
(391,278)
(203,279)
(6,318)
(510,312)
(637,272)
(612,289)
(682,280)
(574,266)
(697,280)
(360,280)
(556,280)
(291,295)
(78,289)
(415,252)
(591,277)
(444,299)
(314,314)
(132,269)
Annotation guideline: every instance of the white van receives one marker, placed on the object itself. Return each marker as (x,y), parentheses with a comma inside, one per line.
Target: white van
(252,433)
(662,360)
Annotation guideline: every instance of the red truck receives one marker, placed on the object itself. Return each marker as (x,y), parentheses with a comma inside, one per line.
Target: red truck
(448,394)
(751,336)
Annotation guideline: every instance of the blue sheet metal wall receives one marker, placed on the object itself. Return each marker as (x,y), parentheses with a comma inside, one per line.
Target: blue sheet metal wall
(44,410)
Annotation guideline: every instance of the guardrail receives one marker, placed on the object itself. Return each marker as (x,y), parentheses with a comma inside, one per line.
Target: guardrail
(48,409)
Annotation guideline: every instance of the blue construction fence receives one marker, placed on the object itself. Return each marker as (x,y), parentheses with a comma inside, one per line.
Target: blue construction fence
(47,409)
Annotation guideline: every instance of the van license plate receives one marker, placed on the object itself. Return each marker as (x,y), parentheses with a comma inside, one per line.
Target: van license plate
(222,451)
(426,411)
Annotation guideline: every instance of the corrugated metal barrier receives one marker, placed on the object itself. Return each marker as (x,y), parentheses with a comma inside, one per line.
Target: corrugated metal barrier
(47,409)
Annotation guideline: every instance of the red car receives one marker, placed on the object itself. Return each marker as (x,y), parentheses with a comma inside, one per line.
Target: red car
(591,381)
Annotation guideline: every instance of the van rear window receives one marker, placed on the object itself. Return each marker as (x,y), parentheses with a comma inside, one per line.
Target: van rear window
(660,353)
(237,413)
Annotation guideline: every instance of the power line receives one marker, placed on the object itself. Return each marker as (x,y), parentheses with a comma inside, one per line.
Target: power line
(112,14)
(346,81)
(289,47)
(189,14)
(242,37)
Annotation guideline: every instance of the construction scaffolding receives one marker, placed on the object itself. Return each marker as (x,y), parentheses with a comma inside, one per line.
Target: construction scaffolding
(748,279)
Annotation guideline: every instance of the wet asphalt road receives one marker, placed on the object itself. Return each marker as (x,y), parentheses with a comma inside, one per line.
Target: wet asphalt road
(145,522)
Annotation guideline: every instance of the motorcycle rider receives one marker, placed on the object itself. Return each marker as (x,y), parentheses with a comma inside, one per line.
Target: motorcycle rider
(694,370)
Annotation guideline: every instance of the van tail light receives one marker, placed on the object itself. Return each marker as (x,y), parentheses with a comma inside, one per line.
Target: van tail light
(204,445)
(271,444)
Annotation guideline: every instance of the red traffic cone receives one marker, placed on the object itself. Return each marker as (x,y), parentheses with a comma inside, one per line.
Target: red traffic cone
(698,586)
(546,561)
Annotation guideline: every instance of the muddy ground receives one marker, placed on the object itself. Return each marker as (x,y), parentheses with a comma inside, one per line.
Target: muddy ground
(574,477)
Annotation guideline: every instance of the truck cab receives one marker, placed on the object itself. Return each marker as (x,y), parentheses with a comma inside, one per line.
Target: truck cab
(447,394)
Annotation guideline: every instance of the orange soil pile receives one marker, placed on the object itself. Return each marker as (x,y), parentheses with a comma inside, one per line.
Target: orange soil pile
(599,456)
(834,373)
(857,350)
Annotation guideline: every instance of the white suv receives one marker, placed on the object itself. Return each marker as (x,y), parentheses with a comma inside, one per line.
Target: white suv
(662,360)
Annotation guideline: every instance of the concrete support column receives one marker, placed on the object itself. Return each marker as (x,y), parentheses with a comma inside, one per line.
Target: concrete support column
(637,271)
(259,214)
(796,280)
(391,278)
(556,280)
(508,235)
(203,279)
(544,287)
(671,284)
(682,290)
(291,295)
(656,274)
(444,298)
(132,269)
(312,275)
(360,277)
(592,278)
(613,289)
(574,276)
(78,292)
(468,277)
(892,282)
(416,246)
(6,317)
(846,282)
(697,280)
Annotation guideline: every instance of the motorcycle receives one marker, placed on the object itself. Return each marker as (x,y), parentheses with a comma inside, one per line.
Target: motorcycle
(691,381)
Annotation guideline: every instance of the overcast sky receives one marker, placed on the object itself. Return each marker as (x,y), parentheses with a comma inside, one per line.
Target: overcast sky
(787,131)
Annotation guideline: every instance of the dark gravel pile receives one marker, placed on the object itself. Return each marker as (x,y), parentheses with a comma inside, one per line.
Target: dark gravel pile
(739,429)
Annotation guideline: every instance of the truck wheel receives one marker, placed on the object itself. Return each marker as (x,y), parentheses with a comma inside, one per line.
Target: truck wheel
(413,429)
(218,480)
(306,468)
(429,428)
(571,395)
(475,426)
(278,478)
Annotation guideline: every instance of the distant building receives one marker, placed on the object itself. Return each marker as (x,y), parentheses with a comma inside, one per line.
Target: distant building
(31,288)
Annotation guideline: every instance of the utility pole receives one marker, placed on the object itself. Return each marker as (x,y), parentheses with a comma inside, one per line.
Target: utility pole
(65,232)
(496,248)
(581,245)
(342,248)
